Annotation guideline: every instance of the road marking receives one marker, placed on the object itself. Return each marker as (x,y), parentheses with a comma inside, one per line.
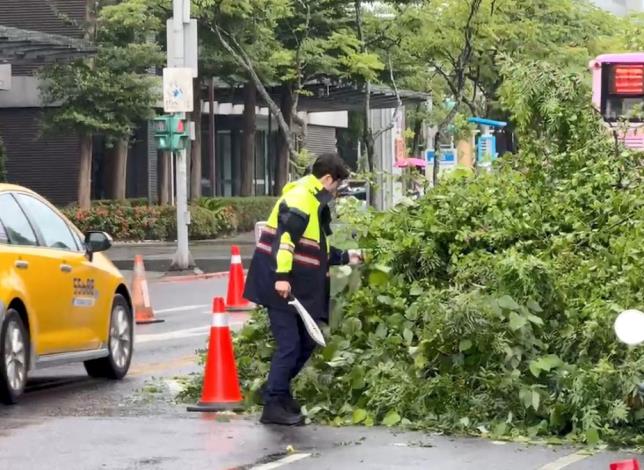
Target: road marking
(187,333)
(564,462)
(281,462)
(185,308)
(148,368)
(180,334)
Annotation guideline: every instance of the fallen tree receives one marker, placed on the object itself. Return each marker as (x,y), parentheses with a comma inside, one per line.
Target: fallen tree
(487,307)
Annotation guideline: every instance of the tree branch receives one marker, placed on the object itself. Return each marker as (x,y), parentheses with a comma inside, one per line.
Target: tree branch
(398,101)
(300,71)
(245,62)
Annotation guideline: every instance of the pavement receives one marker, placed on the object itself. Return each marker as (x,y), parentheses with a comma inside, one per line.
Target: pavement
(210,256)
(69,421)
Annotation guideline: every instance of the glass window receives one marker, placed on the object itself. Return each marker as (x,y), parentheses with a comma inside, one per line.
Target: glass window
(3,235)
(54,229)
(19,231)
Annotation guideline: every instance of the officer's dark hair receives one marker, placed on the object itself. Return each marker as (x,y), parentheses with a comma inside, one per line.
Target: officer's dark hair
(330,164)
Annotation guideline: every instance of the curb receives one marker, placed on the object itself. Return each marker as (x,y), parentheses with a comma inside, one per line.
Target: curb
(162,265)
(194,277)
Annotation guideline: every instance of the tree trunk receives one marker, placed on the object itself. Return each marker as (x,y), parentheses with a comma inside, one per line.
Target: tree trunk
(281,168)
(118,164)
(248,139)
(195,149)
(164,178)
(242,59)
(85,172)
(418,127)
(437,157)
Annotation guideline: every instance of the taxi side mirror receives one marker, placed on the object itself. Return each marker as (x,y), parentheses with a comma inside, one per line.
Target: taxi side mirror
(95,242)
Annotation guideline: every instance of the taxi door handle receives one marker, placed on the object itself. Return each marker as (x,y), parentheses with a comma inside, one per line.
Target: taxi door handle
(65,268)
(20,264)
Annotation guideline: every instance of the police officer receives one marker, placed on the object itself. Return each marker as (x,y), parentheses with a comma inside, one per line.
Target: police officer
(292,258)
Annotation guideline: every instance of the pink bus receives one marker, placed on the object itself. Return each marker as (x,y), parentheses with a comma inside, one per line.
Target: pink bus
(618,90)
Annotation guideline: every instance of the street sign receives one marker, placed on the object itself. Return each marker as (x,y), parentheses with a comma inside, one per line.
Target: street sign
(177,90)
(186,41)
(5,76)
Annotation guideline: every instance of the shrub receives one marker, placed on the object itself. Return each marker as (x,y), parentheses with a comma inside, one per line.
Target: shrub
(247,210)
(138,222)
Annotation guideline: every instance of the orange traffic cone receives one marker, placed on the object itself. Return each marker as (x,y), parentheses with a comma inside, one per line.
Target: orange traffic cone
(143,312)
(220,390)
(625,465)
(235,300)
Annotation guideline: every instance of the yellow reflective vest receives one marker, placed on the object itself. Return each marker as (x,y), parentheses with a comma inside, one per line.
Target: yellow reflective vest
(294,247)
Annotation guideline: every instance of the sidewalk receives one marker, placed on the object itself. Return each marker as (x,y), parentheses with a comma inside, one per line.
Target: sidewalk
(209,255)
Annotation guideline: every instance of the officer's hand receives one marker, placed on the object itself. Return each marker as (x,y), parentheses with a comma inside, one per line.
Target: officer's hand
(283,288)
(356,257)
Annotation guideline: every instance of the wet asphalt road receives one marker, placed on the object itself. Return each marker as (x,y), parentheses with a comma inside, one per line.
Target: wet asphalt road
(69,421)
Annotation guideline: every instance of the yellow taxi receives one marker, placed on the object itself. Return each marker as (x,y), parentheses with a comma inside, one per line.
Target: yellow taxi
(61,299)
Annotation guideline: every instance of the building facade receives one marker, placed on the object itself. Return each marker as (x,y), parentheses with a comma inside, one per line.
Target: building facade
(49,163)
(621,7)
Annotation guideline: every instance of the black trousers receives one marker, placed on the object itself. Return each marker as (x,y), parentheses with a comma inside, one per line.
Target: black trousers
(294,348)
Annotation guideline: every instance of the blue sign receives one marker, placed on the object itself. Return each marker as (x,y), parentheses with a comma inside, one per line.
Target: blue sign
(486,149)
(448,157)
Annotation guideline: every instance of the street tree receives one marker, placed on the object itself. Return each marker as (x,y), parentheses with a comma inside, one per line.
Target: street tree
(458,48)
(110,94)
(287,44)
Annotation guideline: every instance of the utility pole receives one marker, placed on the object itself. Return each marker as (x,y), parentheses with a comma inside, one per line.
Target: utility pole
(178,92)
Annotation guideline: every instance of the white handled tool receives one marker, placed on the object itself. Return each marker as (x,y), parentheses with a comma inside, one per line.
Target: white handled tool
(309,323)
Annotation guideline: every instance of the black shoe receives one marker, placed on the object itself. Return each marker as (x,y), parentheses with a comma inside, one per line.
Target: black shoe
(259,397)
(290,402)
(292,405)
(277,412)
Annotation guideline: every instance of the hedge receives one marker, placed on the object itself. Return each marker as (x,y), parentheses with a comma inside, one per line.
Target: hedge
(127,223)
(248,210)
(135,220)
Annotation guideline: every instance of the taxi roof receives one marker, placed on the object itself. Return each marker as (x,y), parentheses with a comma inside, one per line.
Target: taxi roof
(13,187)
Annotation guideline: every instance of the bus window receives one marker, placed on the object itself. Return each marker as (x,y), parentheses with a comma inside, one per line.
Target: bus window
(623,92)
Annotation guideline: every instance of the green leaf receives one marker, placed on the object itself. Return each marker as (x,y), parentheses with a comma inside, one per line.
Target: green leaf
(592,436)
(550,362)
(359,415)
(534,306)
(534,368)
(381,330)
(416,290)
(536,400)
(408,335)
(357,378)
(391,419)
(517,321)
(465,345)
(378,278)
(525,395)
(535,319)
(506,302)
(500,429)
(545,363)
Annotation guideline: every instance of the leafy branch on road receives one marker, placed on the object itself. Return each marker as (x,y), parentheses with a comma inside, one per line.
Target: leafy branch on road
(487,307)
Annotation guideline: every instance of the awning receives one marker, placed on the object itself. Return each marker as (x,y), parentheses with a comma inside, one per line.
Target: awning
(25,47)
(322,97)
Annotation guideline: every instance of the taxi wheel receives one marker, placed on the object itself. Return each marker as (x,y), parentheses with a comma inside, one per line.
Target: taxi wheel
(14,347)
(121,335)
